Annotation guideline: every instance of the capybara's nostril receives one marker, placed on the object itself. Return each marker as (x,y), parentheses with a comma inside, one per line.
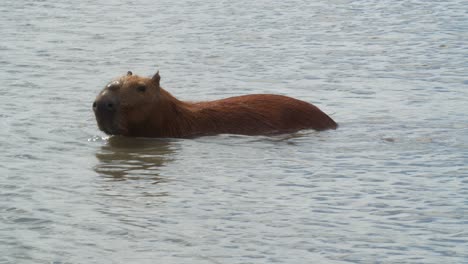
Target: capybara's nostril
(104,105)
(110,106)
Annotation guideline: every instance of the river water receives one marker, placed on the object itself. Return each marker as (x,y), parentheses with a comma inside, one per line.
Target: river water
(389,186)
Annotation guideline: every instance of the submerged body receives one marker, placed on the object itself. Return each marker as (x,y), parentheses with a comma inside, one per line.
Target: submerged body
(139,107)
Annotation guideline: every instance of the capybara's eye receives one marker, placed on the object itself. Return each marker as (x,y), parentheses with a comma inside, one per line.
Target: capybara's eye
(141,88)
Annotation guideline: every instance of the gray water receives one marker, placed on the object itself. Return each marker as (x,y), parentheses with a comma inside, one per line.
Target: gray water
(389,186)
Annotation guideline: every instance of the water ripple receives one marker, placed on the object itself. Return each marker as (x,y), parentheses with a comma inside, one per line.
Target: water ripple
(388,186)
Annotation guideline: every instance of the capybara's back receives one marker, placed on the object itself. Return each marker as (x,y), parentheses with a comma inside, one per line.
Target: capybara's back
(261,114)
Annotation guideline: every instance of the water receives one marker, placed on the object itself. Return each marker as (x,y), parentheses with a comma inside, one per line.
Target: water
(389,186)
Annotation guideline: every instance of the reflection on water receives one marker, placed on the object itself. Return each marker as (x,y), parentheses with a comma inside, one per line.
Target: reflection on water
(125,158)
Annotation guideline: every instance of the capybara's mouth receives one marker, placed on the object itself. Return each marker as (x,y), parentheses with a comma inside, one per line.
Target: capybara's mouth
(107,126)
(107,122)
(110,131)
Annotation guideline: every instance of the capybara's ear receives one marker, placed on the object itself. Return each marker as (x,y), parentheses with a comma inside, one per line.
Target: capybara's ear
(129,73)
(156,78)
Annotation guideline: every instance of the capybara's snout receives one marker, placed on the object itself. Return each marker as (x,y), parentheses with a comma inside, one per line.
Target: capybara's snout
(105,109)
(104,104)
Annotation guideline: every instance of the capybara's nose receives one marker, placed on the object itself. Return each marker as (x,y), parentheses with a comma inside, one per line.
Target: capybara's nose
(104,105)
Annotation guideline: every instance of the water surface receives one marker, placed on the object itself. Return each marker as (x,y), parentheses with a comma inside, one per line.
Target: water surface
(389,186)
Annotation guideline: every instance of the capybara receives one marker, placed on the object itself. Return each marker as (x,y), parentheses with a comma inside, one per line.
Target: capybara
(139,107)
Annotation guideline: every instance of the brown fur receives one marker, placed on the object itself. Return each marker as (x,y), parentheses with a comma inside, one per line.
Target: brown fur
(138,106)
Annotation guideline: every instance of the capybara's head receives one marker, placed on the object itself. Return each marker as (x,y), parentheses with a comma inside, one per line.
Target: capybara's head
(126,102)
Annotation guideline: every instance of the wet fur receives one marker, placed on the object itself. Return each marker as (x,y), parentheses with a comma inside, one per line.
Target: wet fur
(162,115)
